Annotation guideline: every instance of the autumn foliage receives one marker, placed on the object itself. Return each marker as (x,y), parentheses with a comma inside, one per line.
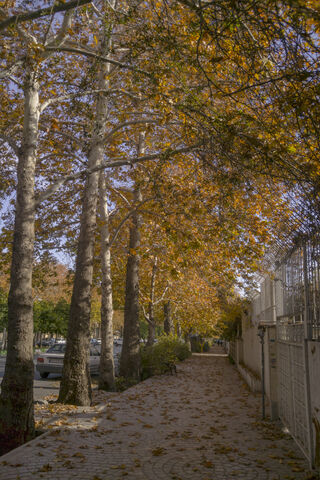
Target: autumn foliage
(175,139)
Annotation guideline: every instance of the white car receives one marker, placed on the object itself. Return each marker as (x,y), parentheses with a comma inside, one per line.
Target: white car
(52,360)
(118,342)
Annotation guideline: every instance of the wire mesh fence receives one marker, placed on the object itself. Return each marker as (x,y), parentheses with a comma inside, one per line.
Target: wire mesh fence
(297,287)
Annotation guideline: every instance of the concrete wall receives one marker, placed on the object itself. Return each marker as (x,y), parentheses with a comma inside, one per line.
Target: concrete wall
(250,361)
(251,380)
(251,346)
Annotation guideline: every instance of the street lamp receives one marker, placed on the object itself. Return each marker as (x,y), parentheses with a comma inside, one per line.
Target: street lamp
(261,332)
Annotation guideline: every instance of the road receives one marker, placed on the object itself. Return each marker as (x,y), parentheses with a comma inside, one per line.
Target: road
(44,387)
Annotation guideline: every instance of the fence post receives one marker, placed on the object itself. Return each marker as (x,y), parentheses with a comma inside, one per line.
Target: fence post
(261,332)
(273,370)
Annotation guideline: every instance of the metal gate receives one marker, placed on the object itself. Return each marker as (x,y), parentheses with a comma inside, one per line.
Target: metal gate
(292,391)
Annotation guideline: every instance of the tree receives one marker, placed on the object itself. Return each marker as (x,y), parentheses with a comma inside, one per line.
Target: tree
(75,387)
(17,409)
(225,73)
(50,317)
(16,401)
(130,354)
(106,373)
(39,13)
(168,324)
(3,309)
(150,315)
(229,324)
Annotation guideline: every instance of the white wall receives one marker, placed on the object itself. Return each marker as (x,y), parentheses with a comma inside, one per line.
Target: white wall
(251,346)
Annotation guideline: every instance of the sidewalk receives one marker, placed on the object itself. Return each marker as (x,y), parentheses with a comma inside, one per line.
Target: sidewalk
(202,424)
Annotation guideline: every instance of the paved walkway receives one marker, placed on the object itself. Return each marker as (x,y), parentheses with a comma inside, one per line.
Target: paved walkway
(202,424)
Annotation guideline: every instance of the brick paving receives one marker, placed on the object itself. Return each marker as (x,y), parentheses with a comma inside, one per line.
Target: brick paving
(202,424)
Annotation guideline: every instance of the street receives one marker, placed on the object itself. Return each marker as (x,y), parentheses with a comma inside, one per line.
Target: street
(44,387)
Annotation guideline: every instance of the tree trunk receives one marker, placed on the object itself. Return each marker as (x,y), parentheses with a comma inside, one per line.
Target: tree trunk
(151,321)
(16,401)
(4,339)
(106,378)
(168,325)
(75,382)
(187,340)
(179,332)
(151,325)
(130,354)
(75,387)
(151,333)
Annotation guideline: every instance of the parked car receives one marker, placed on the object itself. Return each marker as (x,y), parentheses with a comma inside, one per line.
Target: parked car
(52,360)
(44,343)
(48,342)
(118,342)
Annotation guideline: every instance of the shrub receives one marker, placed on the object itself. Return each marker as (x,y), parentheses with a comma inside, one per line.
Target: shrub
(156,360)
(122,383)
(199,347)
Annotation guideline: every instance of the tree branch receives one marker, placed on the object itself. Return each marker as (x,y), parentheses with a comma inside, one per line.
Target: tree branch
(162,296)
(126,124)
(60,98)
(116,163)
(42,12)
(26,36)
(62,34)
(86,53)
(120,195)
(10,142)
(153,156)
(81,143)
(146,316)
(68,96)
(8,72)
(116,233)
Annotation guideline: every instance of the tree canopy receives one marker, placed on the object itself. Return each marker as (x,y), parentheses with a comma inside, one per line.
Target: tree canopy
(181,136)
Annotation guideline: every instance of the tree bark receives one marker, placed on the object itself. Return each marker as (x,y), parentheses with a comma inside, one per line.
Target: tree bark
(4,339)
(179,332)
(168,324)
(130,354)
(151,321)
(16,401)
(75,387)
(187,340)
(75,382)
(151,333)
(106,374)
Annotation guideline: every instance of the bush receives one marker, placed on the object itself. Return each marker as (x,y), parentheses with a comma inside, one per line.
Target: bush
(122,383)
(157,359)
(199,347)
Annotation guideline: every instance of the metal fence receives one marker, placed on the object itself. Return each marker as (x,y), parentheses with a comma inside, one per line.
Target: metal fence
(292,388)
(297,287)
(290,299)
(232,350)
(312,267)
(297,299)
